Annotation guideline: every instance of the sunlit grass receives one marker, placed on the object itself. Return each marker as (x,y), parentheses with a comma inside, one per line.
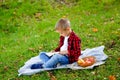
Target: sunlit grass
(26,25)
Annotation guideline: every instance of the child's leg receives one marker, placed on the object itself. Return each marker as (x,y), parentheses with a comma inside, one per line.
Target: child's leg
(57,58)
(44,57)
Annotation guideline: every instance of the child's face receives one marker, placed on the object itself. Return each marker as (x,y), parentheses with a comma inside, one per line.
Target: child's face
(64,33)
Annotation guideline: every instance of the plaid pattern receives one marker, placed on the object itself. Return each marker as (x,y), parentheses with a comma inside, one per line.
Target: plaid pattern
(74,48)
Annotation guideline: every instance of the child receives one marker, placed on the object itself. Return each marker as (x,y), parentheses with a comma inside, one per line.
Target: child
(69,48)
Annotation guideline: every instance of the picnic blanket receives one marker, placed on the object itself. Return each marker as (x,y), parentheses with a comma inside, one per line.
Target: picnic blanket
(96,52)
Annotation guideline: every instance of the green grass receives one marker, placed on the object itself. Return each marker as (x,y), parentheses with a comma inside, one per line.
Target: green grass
(28,24)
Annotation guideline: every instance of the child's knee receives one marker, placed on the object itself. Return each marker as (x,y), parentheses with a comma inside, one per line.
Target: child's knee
(42,53)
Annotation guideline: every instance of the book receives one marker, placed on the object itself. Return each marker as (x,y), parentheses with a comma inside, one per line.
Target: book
(51,53)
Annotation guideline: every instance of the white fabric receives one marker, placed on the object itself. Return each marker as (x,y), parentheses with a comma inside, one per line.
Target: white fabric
(65,44)
(96,52)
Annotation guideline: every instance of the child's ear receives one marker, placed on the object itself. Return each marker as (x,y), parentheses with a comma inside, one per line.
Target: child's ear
(68,28)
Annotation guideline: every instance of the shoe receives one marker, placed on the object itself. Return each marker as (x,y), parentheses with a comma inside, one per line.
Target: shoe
(36,66)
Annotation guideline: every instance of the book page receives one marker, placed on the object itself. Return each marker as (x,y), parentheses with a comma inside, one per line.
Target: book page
(51,53)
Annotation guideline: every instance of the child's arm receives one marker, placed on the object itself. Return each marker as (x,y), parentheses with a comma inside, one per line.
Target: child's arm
(60,44)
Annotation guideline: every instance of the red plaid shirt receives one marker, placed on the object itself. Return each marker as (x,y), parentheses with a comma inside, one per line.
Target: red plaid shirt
(74,48)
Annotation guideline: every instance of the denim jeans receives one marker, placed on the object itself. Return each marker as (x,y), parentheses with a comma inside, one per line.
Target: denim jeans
(51,62)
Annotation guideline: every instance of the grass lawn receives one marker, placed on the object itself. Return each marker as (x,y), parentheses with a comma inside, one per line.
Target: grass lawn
(27,28)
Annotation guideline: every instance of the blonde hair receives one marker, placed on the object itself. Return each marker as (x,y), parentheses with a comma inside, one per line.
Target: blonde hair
(62,24)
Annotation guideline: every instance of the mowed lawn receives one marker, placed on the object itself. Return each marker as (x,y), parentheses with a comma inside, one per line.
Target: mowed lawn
(27,28)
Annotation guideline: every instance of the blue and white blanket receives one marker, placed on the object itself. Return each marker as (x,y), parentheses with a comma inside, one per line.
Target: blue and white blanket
(96,52)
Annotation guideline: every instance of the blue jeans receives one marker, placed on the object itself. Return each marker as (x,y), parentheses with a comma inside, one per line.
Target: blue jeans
(51,62)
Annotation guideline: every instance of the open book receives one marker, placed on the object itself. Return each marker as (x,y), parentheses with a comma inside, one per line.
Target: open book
(51,53)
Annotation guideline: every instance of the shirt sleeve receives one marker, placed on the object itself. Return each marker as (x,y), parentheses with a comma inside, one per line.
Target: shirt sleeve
(60,43)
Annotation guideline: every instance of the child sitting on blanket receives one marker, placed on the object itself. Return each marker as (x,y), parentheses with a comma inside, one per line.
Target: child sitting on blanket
(69,48)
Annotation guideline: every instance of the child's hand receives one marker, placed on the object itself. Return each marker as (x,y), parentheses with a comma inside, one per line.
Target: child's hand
(52,51)
(63,52)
